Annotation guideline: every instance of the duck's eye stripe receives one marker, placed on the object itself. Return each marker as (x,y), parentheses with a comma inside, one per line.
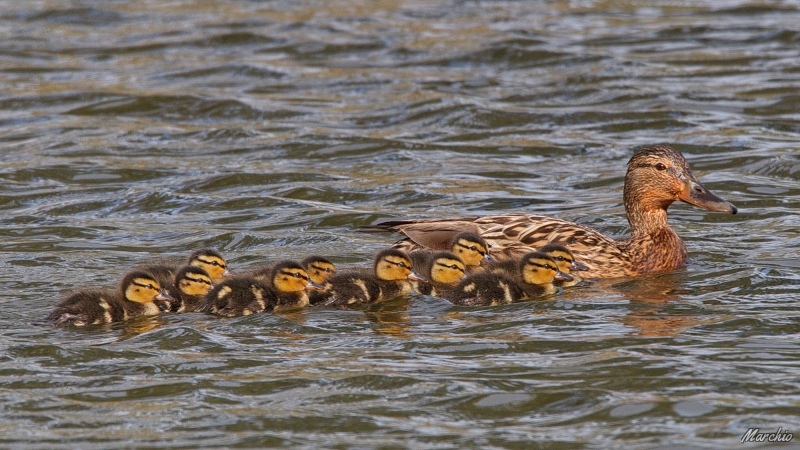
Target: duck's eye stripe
(473,248)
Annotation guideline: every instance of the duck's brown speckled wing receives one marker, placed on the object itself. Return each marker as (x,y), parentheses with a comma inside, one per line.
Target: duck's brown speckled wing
(510,236)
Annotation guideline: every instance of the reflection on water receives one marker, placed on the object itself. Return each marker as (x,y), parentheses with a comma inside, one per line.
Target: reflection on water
(139,132)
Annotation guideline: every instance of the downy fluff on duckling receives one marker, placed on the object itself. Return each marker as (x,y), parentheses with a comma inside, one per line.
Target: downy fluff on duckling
(207,259)
(319,269)
(566,263)
(138,292)
(391,276)
(191,286)
(444,270)
(509,282)
(241,296)
(471,249)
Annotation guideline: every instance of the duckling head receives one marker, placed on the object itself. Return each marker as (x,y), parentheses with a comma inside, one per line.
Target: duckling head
(212,262)
(193,281)
(563,258)
(659,175)
(318,268)
(140,287)
(288,276)
(446,268)
(394,265)
(538,268)
(471,249)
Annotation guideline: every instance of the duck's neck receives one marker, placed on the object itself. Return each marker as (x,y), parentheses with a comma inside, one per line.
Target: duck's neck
(653,246)
(646,221)
(646,215)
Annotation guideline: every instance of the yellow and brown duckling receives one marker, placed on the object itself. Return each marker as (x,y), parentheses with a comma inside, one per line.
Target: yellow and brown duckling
(472,250)
(391,276)
(444,270)
(211,261)
(509,282)
(657,176)
(191,286)
(137,296)
(319,269)
(566,263)
(241,296)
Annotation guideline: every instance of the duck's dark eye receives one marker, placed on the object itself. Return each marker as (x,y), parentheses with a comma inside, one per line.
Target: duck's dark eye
(661,166)
(559,258)
(454,267)
(473,248)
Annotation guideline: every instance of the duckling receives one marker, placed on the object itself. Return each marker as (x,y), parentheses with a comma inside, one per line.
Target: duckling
(484,289)
(242,296)
(391,276)
(318,269)
(508,282)
(472,250)
(191,286)
(443,270)
(566,263)
(207,259)
(137,295)
(536,275)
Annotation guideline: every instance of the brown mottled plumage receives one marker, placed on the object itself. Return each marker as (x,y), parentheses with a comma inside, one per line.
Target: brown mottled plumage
(657,176)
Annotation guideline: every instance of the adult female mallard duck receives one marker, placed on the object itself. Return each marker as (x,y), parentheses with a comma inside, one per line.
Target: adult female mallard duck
(656,177)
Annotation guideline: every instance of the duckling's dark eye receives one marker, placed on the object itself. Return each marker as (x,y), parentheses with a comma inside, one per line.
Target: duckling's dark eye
(150,286)
(559,258)
(473,248)
(297,275)
(661,166)
(454,267)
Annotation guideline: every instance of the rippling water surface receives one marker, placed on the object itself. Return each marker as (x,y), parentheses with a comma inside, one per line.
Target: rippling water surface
(131,132)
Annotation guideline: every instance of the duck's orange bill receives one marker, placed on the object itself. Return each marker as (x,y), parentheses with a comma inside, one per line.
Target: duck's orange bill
(694,193)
